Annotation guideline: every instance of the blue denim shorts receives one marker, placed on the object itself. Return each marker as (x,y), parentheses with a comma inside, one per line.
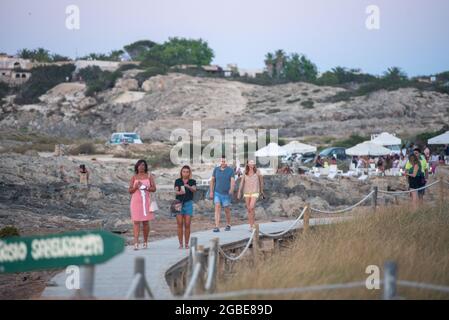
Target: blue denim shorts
(222,199)
(187,208)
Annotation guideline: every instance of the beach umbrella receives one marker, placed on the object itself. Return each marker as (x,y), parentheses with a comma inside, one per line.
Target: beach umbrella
(368,148)
(298,147)
(441,139)
(387,139)
(271,150)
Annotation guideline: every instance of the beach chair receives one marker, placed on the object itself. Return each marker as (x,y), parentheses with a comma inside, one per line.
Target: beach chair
(334,172)
(363,177)
(324,171)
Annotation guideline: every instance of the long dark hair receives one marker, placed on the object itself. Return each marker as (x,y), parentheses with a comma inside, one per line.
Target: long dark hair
(138,163)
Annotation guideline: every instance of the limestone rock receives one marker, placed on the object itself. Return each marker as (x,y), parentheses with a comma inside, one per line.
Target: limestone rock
(127,84)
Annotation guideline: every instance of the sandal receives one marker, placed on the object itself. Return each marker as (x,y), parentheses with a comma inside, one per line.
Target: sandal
(180,246)
(136,246)
(145,245)
(187,246)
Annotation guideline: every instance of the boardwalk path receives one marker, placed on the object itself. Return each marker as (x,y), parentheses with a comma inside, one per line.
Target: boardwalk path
(113,278)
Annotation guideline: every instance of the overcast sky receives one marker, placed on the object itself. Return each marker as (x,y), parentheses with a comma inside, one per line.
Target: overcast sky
(413,34)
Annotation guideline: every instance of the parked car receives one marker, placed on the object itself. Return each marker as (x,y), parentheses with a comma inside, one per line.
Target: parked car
(330,152)
(125,138)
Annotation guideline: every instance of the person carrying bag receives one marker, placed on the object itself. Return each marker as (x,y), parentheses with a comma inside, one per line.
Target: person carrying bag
(185,187)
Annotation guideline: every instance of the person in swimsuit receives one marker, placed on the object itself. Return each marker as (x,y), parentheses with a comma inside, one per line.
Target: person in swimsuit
(252,186)
(140,186)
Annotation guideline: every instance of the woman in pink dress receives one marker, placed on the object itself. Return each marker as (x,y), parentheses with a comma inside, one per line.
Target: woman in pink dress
(140,186)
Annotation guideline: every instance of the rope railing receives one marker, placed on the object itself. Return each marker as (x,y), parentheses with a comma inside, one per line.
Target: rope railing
(241,253)
(345,209)
(420,285)
(316,288)
(408,191)
(281,233)
(280,291)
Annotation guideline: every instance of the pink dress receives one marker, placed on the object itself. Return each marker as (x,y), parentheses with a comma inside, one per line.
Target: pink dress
(140,203)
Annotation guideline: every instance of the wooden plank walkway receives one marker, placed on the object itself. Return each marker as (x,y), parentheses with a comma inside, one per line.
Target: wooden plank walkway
(113,278)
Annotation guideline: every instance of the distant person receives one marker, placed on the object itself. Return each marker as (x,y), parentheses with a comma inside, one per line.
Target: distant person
(140,186)
(414,174)
(423,167)
(354,161)
(318,162)
(434,159)
(380,164)
(410,149)
(395,163)
(446,150)
(333,160)
(84,174)
(388,162)
(427,152)
(185,187)
(361,163)
(252,187)
(221,190)
(402,161)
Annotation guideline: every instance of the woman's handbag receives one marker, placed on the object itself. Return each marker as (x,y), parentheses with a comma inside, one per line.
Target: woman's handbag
(176,206)
(153,205)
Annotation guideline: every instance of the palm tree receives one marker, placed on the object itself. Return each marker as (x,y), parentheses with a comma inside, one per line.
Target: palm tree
(269,63)
(280,62)
(395,74)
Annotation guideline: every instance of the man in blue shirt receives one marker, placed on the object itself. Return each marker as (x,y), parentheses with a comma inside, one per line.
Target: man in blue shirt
(221,191)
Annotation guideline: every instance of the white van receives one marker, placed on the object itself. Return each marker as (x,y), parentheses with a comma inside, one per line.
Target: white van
(125,138)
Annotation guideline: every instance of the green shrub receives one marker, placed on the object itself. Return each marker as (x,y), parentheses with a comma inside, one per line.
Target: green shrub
(84,148)
(4,90)
(9,231)
(98,80)
(42,79)
(351,141)
(307,104)
(150,72)
(128,66)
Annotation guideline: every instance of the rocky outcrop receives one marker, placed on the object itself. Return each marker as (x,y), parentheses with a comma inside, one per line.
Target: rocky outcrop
(127,84)
(173,101)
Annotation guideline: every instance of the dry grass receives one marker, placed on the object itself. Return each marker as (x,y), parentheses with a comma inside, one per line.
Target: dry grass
(418,241)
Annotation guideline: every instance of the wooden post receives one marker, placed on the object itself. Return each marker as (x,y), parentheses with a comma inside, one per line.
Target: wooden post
(306,218)
(192,250)
(139,268)
(390,272)
(256,243)
(212,266)
(374,202)
(87,281)
(200,257)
